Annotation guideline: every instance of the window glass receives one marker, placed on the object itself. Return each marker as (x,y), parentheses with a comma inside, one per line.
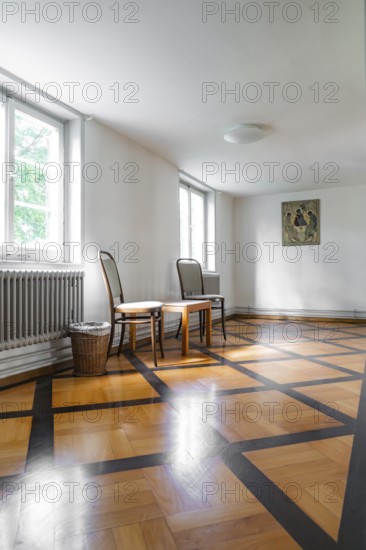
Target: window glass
(37,181)
(192,222)
(184,222)
(197,225)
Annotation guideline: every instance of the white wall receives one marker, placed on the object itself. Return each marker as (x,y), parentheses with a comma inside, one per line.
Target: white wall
(144,213)
(326,285)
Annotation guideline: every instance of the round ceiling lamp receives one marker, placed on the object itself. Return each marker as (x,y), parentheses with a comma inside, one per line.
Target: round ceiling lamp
(246,133)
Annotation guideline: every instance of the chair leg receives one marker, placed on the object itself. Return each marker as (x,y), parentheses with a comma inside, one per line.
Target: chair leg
(223,319)
(121,340)
(201,325)
(180,326)
(204,323)
(111,339)
(153,337)
(161,335)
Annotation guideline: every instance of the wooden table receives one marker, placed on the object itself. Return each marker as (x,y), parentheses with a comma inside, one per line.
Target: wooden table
(185,307)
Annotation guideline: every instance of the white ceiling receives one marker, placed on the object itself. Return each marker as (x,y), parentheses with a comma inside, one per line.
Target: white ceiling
(170,52)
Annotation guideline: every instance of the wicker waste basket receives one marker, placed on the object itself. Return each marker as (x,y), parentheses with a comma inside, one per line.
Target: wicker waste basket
(89,342)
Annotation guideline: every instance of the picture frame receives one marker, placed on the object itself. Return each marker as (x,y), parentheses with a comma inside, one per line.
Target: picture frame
(301,222)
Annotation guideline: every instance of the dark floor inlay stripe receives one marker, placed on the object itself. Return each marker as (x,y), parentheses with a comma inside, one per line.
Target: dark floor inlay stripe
(275,347)
(16,414)
(303,529)
(318,361)
(352,532)
(41,447)
(283,388)
(184,367)
(323,381)
(108,405)
(112,372)
(291,439)
(326,408)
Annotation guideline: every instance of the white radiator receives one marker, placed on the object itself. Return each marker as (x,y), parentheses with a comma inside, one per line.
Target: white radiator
(211,282)
(37,306)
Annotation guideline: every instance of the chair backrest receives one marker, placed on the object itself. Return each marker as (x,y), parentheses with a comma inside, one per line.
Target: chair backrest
(111,278)
(190,277)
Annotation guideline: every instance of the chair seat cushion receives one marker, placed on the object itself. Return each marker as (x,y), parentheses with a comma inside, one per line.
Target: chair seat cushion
(212,297)
(139,307)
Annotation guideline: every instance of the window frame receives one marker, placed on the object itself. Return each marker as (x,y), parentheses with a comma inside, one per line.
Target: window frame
(193,190)
(13,106)
(71,252)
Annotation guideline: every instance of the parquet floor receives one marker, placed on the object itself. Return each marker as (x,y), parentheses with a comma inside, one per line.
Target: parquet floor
(255,443)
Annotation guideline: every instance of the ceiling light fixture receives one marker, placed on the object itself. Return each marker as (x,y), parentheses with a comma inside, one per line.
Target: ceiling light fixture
(246,133)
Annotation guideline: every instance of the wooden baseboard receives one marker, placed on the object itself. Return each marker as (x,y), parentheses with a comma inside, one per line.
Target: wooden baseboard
(298,318)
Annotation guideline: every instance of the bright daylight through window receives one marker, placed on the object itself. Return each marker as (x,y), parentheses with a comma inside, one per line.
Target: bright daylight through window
(32,183)
(192,223)
(37,191)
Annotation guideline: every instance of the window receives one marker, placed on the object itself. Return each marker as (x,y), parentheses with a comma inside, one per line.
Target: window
(192,222)
(36,197)
(32,177)
(39,208)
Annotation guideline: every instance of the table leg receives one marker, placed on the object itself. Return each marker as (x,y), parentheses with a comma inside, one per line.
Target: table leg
(208,326)
(185,331)
(153,337)
(132,328)
(161,333)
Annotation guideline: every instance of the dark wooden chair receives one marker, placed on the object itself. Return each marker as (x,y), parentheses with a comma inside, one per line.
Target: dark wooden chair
(130,313)
(192,288)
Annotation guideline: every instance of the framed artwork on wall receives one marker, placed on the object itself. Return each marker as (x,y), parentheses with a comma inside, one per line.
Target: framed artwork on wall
(301,222)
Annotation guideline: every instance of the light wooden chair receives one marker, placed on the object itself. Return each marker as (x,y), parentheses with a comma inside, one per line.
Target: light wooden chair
(131,313)
(192,288)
